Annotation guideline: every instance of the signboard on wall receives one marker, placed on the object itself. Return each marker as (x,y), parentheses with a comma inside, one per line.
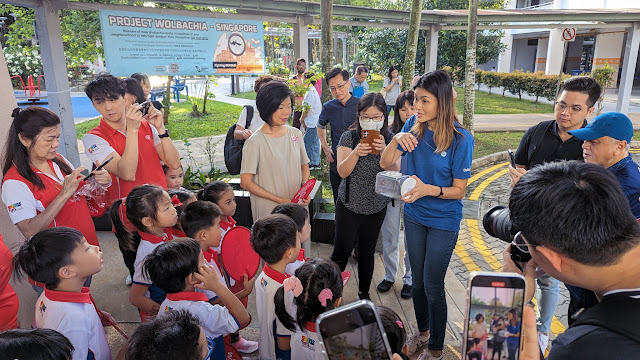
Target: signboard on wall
(158,44)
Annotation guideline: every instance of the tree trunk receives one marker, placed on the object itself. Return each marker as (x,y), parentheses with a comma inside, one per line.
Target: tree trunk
(470,70)
(166,102)
(326,18)
(412,44)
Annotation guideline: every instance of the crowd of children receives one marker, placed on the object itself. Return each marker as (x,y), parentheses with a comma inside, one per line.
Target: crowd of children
(186,300)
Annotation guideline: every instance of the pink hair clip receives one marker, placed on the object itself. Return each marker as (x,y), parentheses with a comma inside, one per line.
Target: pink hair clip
(292,284)
(325,294)
(399,323)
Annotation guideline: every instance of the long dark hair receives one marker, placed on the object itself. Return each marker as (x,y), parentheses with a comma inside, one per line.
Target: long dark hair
(315,275)
(405,96)
(141,202)
(439,85)
(391,69)
(372,99)
(134,88)
(29,123)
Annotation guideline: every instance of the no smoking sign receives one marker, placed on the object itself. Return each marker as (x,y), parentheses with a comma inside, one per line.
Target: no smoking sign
(569,34)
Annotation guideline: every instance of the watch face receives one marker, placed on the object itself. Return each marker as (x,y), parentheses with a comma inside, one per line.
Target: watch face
(236,44)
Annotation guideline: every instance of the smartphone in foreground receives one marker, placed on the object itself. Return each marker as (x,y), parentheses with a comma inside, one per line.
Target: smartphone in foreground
(353,331)
(495,302)
(512,157)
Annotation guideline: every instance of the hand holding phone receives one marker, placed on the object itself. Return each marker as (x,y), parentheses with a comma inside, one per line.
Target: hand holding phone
(495,302)
(353,331)
(97,169)
(512,157)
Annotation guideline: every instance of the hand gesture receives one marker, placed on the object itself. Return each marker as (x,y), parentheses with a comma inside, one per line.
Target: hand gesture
(71,182)
(209,279)
(102,176)
(306,201)
(362,149)
(133,115)
(379,144)
(407,141)
(328,153)
(249,283)
(155,118)
(515,174)
(246,133)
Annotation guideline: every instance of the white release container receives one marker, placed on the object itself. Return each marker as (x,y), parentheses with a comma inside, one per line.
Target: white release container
(393,184)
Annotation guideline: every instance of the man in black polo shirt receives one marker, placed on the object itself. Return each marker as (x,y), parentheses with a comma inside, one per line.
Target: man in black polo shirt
(551,141)
(340,113)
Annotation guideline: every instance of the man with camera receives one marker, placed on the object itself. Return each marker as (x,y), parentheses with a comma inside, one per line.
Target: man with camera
(576,225)
(551,141)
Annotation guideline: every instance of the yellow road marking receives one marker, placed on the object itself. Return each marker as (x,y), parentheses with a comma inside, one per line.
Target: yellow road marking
(481,246)
(465,258)
(454,351)
(485,172)
(475,195)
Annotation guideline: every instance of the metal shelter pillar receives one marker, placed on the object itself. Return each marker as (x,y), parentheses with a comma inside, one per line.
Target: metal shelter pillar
(628,68)
(301,38)
(555,52)
(55,71)
(431,50)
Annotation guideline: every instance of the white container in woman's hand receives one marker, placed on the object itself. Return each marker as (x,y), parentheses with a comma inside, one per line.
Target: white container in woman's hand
(393,184)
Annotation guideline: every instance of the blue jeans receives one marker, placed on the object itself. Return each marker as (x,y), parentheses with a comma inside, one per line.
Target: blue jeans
(390,244)
(549,293)
(512,349)
(312,144)
(429,250)
(389,108)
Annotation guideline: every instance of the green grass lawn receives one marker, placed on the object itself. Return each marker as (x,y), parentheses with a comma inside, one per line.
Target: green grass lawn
(183,125)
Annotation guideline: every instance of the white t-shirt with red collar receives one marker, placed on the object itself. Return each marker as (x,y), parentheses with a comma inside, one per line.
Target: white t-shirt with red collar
(73,315)
(305,344)
(216,320)
(148,242)
(267,284)
(292,267)
(211,259)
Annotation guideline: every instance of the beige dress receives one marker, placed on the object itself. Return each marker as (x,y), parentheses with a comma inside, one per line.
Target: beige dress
(276,164)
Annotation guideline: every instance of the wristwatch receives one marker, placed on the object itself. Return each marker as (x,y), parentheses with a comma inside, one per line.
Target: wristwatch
(165,135)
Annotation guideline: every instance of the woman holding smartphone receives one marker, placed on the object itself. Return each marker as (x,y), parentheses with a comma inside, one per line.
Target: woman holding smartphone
(439,152)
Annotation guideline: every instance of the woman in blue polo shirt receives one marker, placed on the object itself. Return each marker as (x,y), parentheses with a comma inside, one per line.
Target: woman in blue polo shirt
(439,152)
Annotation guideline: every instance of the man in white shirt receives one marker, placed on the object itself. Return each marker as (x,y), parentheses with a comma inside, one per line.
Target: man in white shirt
(309,122)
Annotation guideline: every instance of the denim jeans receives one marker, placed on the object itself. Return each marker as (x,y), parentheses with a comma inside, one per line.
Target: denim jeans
(549,293)
(429,250)
(390,244)
(389,108)
(312,144)
(512,349)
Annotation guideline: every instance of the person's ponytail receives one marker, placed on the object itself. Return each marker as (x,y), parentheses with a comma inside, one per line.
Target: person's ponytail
(125,238)
(281,311)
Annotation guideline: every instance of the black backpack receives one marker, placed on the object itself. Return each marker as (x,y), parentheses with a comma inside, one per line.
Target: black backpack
(617,313)
(233,146)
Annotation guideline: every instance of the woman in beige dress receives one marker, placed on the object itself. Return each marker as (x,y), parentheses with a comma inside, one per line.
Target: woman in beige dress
(274,159)
(479,331)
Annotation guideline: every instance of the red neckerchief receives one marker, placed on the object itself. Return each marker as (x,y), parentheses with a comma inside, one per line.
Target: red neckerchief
(187,295)
(274,274)
(301,255)
(228,223)
(310,326)
(179,233)
(67,296)
(154,239)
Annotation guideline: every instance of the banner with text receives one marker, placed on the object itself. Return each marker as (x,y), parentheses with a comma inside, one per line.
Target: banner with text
(158,44)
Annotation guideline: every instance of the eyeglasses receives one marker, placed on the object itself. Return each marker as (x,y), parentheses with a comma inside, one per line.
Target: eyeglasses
(339,87)
(210,345)
(367,118)
(560,105)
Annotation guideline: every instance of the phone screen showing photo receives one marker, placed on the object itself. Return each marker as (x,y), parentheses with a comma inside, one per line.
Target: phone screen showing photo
(354,335)
(495,316)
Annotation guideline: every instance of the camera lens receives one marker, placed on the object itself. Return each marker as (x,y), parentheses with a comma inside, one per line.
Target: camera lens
(497,223)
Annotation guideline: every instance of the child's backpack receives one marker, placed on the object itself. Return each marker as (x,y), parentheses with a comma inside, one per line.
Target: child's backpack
(233,146)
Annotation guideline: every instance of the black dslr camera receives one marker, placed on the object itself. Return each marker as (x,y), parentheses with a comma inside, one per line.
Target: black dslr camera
(497,223)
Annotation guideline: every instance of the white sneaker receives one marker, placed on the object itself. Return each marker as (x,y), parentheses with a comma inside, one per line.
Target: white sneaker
(543,340)
(128,280)
(416,341)
(426,355)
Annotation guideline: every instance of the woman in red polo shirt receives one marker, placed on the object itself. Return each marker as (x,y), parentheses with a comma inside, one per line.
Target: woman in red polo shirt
(8,297)
(39,184)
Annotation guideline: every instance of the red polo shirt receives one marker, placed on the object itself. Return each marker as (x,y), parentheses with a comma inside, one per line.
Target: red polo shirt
(8,298)
(149,169)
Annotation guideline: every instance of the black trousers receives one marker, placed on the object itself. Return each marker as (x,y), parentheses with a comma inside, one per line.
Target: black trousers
(334,179)
(352,228)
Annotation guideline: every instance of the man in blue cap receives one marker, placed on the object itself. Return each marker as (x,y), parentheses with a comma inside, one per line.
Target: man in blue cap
(606,141)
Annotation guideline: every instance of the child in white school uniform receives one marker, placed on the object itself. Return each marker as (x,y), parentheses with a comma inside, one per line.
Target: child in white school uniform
(150,209)
(277,241)
(178,268)
(300,216)
(221,194)
(62,259)
(315,288)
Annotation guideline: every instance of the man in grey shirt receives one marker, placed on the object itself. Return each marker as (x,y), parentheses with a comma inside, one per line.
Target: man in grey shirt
(358,85)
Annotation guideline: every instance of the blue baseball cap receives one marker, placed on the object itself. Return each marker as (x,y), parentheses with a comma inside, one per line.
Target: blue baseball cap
(613,124)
